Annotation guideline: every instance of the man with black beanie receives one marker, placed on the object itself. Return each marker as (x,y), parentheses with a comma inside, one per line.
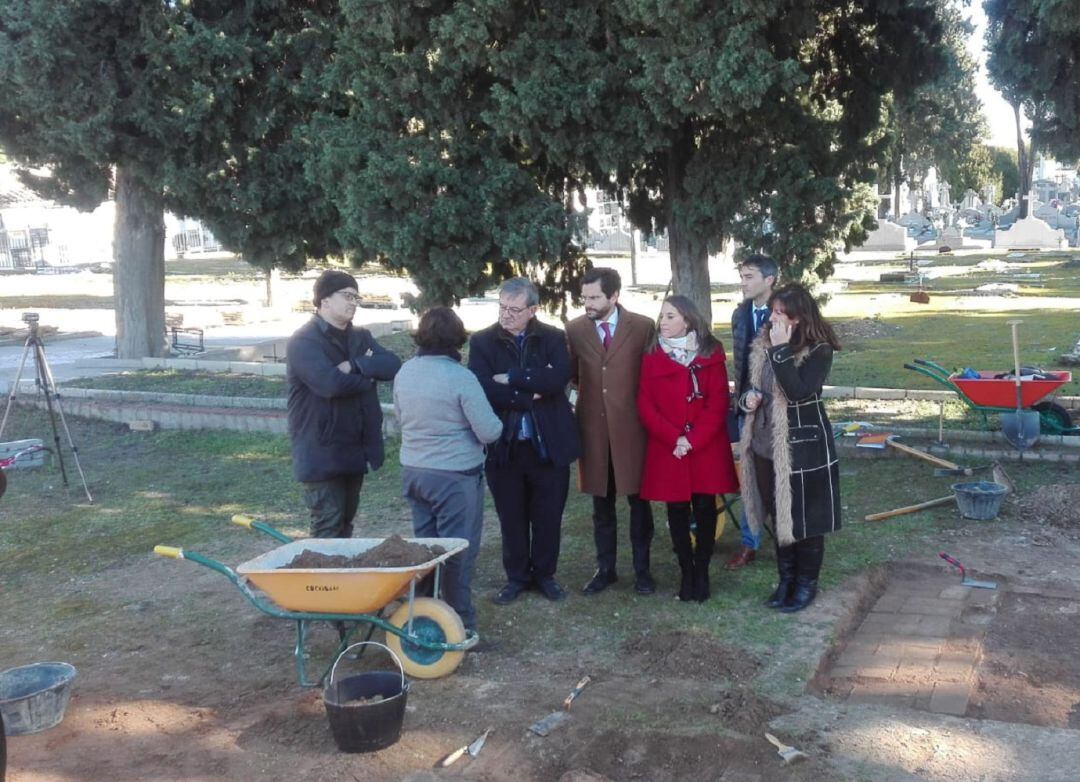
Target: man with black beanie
(335,421)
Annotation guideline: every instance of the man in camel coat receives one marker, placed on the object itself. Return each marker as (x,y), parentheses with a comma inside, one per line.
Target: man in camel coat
(606,347)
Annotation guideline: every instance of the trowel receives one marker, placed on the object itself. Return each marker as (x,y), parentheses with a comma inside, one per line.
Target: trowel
(964,580)
(472,749)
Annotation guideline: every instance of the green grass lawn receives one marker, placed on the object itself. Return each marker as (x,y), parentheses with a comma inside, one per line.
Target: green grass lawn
(187,381)
(980,339)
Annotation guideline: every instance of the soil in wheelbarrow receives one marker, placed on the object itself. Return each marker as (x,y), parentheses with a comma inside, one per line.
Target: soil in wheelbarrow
(395,551)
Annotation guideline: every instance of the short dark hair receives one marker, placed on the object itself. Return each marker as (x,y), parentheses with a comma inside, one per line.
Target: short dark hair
(440,329)
(609,279)
(764,264)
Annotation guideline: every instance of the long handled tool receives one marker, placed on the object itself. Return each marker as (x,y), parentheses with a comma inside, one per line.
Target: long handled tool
(944,466)
(1021,428)
(910,508)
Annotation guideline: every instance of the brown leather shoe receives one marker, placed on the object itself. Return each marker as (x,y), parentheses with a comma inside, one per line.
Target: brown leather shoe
(743,557)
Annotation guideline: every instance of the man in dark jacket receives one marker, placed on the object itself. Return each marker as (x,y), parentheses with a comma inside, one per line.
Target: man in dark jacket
(757,277)
(335,421)
(524,367)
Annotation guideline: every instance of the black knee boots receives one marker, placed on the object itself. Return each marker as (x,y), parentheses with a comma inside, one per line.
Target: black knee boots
(705,541)
(785,568)
(693,557)
(679,527)
(809,554)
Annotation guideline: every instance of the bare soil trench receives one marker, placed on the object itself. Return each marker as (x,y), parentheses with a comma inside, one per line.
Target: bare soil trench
(161,706)
(189,682)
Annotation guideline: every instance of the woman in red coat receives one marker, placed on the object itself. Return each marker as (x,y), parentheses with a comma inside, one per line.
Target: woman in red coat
(683,404)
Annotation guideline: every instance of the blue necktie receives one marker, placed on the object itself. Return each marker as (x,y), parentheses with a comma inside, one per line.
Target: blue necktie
(759,318)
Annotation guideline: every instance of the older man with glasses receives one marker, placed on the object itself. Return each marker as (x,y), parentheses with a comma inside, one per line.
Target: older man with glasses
(335,421)
(523,367)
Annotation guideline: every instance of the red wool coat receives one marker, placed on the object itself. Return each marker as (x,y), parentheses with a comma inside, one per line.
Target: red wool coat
(667,412)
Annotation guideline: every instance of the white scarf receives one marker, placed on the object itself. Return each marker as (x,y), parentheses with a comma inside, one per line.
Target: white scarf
(681,350)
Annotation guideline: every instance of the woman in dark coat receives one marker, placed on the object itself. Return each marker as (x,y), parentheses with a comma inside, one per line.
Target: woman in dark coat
(683,403)
(787,455)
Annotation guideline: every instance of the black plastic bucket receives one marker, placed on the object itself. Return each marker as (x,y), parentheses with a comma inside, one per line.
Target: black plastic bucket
(358,723)
(979,500)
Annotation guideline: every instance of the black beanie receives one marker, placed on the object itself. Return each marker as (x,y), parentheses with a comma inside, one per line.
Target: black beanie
(330,282)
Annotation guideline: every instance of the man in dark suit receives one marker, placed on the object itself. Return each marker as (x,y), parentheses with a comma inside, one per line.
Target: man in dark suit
(757,278)
(523,367)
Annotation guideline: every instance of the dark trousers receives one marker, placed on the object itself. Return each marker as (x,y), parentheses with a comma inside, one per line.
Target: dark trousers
(703,509)
(530,495)
(807,554)
(333,505)
(605,528)
(447,504)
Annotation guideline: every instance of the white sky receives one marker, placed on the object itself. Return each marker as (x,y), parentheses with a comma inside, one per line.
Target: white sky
(999,114)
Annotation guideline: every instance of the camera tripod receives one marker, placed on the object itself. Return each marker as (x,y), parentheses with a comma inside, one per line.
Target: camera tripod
(47,386)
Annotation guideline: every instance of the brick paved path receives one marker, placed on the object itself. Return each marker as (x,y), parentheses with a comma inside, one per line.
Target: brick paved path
(919,645)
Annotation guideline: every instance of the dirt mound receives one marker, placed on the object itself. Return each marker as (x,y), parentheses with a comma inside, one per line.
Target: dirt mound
(1057,504)
(864,328)
(684,653)
(395,551)
(743,711)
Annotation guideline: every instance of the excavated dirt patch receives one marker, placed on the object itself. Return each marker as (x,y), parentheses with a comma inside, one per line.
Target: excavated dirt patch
(689,654)
(1030,671)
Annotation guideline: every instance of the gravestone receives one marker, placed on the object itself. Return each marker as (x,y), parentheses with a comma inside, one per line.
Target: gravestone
(1030,233)
(889,237)
(951,237)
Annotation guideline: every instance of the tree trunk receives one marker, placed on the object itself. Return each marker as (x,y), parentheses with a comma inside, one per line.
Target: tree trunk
(688,249)
(139,269)
(897,181)
(634,234)
(269,287)
(1021,165)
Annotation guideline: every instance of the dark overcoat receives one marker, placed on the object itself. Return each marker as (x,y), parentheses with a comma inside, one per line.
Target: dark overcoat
(541,366)
(742,334)
(335,420)
(669,408)
(804,453)
(607,416)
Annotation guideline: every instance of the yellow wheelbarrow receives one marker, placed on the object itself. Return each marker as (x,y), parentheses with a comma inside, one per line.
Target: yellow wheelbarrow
(426,633)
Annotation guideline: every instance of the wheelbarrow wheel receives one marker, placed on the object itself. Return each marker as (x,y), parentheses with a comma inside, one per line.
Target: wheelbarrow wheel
(433,621)
(1055,418)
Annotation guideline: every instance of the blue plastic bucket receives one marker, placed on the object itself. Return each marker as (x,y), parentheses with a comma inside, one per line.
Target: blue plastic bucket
(33,697)
(979,500)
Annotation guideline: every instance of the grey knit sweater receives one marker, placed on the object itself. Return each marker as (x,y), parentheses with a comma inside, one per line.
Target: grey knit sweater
(444,416)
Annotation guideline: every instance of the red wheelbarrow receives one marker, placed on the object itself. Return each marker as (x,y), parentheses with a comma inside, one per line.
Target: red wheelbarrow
(995,392)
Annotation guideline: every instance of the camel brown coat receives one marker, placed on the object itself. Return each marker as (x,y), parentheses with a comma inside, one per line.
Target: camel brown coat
(607,384)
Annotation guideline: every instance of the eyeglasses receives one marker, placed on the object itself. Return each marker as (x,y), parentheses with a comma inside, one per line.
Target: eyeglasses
(352,298)
(515,311)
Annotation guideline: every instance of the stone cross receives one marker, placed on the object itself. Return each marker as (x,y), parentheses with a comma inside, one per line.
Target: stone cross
(1030,198)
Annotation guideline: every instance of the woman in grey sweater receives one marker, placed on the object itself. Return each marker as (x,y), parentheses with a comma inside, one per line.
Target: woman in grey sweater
(445,423)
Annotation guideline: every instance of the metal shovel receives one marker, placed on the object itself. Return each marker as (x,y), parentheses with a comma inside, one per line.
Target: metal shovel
(1021,428)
